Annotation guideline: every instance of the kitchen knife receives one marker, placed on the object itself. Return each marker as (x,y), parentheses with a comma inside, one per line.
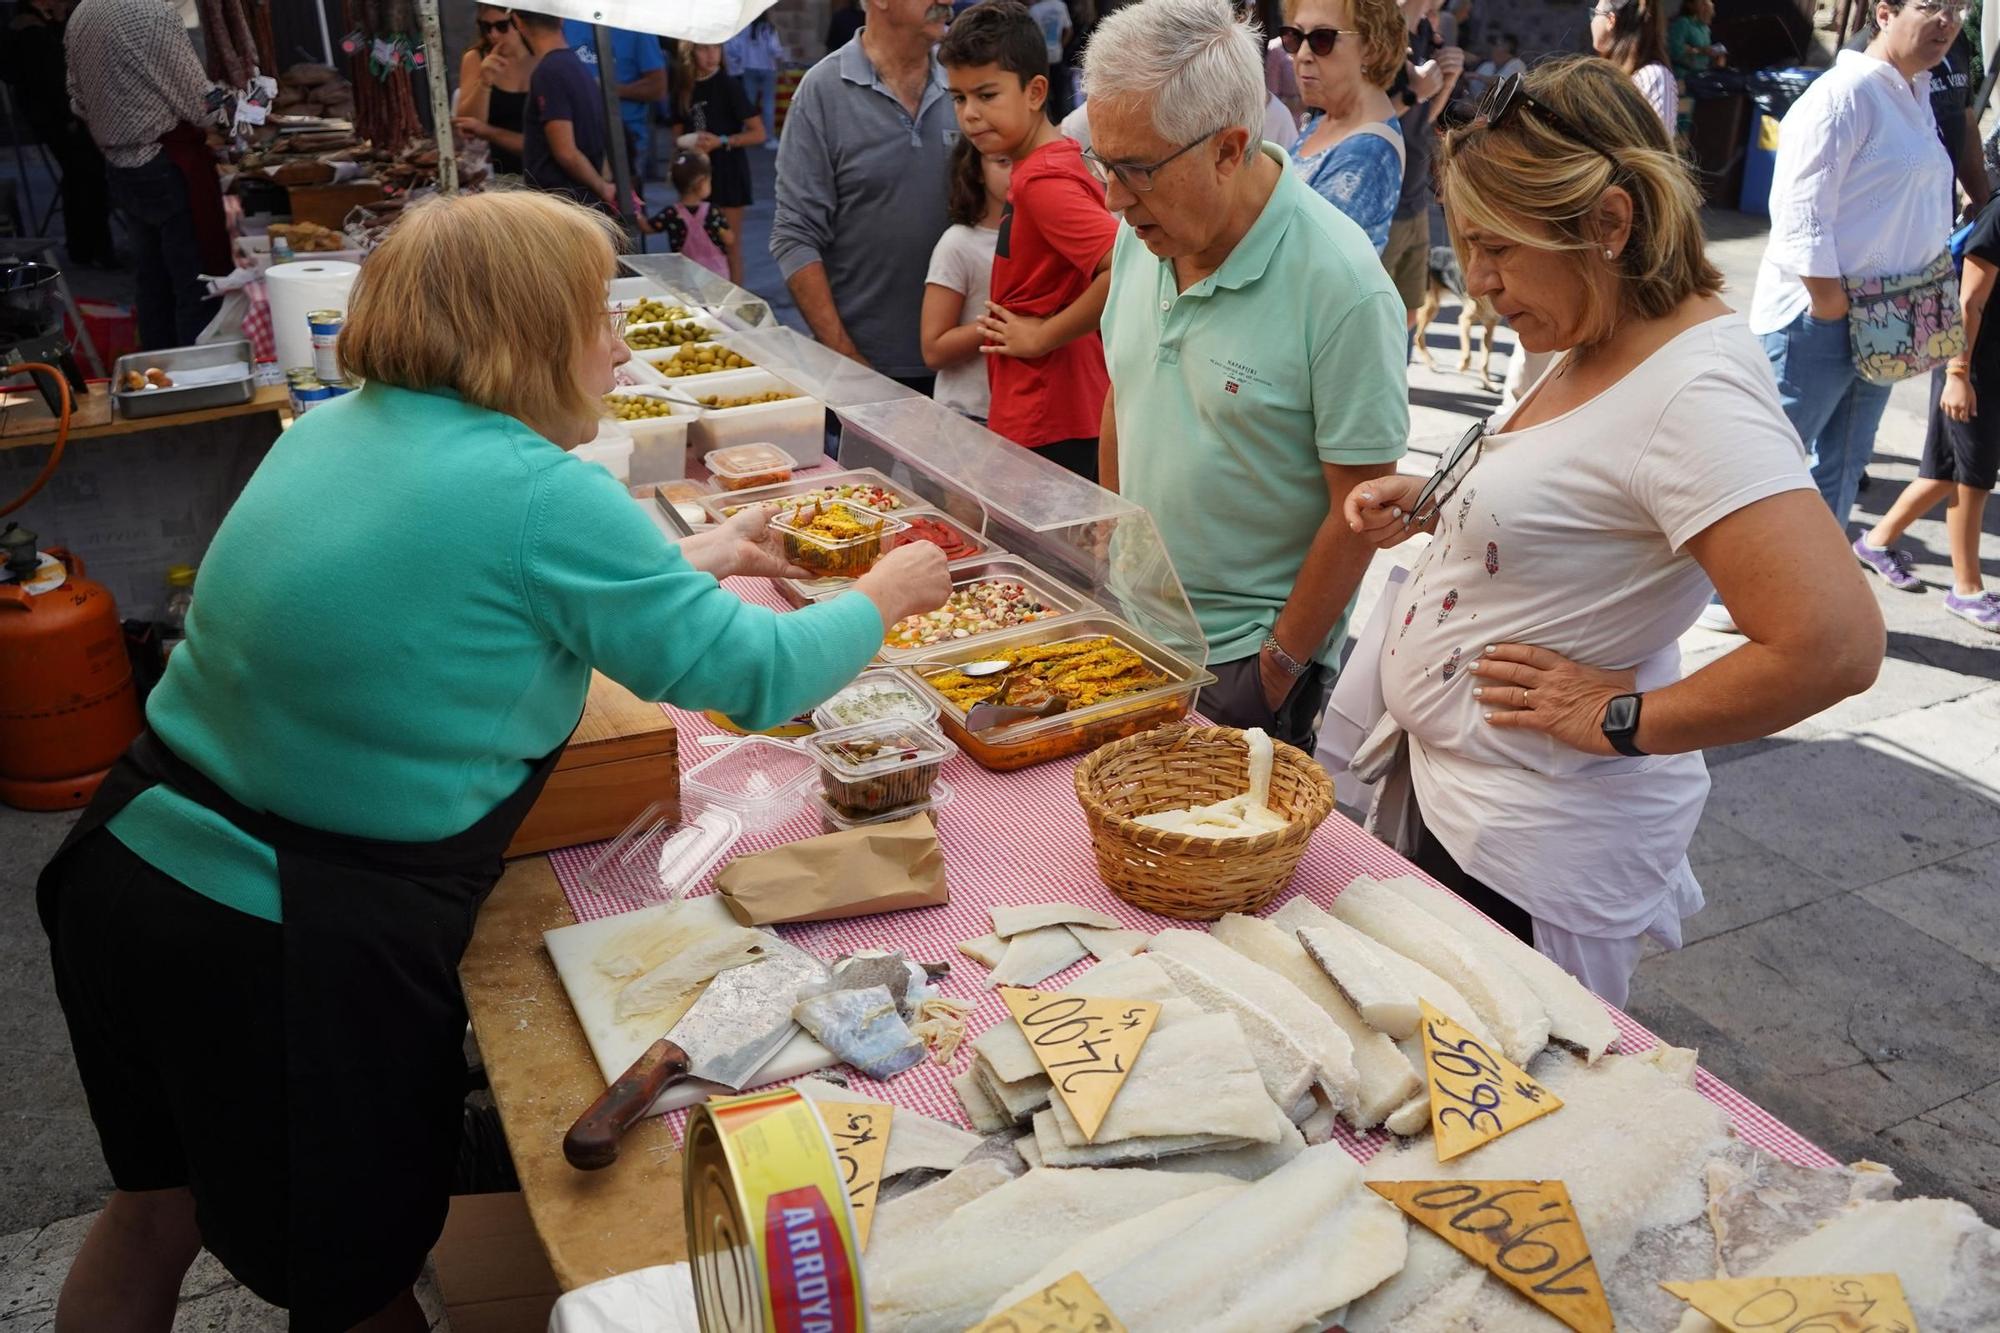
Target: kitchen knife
(739,1022)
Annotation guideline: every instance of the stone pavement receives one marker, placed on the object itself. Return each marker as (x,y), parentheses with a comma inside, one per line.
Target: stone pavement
(1846,973)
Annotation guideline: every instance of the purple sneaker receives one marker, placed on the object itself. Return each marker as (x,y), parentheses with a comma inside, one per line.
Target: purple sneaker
(1983,610)
(1892,564)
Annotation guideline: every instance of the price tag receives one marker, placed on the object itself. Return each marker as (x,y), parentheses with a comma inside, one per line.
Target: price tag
(1476,1094)
(1854,1303)
(860,1134)
(1523,1231)
(1086,1043)
(1067,1306)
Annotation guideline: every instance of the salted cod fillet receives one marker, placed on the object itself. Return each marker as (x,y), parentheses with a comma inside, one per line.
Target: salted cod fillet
(1108,945)
(1194,1076)
(917,1142)
(1011,921)
(1052,1150)
(908,1218)
(982,1112)
(945,1280)
(1239,1264)
(1577,1019)
(1947,1259)
(986,950)
(1384,1076)
(1390,984)
(1121,1243)
(1035,956)
(1504,1001)
(1284,1027)
(1631,1144)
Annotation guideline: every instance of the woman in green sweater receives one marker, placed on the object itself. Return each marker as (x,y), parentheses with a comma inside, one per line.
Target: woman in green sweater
(256,926)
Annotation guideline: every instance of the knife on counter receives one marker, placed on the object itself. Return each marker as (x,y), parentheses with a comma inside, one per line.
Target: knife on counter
(738,1024)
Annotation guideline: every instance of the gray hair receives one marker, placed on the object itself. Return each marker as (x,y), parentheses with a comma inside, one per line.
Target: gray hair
(1200,68)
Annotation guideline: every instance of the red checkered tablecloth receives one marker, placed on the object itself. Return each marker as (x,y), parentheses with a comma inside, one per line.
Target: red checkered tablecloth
(1020,837)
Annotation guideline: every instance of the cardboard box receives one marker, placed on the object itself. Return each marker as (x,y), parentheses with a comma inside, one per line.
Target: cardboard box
(490,1266)
(624,756)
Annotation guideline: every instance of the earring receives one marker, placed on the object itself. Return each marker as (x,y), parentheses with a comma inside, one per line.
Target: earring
(1608,254)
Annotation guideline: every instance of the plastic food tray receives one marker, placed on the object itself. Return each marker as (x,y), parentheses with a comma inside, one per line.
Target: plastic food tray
(659,356)
(881,680)
(1081,730)
(698,318)
(752,466)
(659,444)
(193,397)
(658,857)
(833,821)
(758,779)
(721,504)
(837,557)
(797,425)
(874,767)
(1059,597)
(800,591)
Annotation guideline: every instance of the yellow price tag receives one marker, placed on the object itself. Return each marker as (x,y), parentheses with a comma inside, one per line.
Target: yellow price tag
(1524,1232)
(1476,1094)
(1853,1303)
(860,1134)
(1087,1044)
(1066,1306)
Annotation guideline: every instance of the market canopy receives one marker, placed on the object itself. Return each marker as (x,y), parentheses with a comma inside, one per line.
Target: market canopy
(689,20)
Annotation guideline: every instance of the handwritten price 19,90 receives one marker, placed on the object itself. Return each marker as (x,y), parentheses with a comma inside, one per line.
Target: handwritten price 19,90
(1064,1028)
(1781,1310)
(1480,1213)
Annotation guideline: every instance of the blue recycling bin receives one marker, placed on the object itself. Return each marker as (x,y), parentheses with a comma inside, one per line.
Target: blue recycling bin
(1772,92)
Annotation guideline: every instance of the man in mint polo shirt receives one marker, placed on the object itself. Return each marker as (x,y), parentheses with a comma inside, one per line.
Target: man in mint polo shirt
(1256,354)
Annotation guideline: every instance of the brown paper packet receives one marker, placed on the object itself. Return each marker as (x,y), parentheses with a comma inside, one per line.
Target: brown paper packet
(881,868)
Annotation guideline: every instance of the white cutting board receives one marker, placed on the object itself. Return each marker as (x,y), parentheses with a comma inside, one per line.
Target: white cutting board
(594,995)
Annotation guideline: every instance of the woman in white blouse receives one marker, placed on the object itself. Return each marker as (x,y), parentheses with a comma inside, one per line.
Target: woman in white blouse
(1553,773)
(1632,34)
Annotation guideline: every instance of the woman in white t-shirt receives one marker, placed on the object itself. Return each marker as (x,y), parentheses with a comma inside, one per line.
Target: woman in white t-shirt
(960,276)
(1553,770)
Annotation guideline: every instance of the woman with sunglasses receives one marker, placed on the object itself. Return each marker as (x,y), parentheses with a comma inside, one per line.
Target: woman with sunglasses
(1632,35)
(493,88)
(1553,772)
(1350,151)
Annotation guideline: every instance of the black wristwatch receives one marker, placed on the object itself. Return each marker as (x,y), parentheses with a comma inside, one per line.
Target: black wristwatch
(1621,723)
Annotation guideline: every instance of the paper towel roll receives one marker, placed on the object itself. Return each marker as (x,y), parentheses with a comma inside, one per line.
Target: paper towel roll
(296,288)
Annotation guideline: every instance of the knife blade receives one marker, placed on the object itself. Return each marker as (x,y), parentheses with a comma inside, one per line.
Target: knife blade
(740,1021)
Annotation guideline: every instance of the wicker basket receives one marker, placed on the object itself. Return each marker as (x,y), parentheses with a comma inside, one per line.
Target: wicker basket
(1177,874)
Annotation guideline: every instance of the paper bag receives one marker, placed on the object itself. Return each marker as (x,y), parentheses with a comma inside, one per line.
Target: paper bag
(881,868)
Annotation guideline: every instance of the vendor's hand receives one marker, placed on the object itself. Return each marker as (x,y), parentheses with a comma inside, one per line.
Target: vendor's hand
(746,544)
(908,581)
(704,142)
(1539,690)
(1375,509)
(1008,334)
(1958,401)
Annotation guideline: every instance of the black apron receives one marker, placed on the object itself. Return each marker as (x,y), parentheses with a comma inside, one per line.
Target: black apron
(374,1024)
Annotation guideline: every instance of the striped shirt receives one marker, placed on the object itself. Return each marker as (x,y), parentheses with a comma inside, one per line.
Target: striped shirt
(133,75)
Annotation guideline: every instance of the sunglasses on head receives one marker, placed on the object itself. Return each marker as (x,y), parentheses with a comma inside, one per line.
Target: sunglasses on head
(1321,40)
(1509,96)
(487,29)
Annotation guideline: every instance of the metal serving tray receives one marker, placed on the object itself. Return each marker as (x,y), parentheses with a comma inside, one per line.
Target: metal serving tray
(721,502)
(1065,601)
(161,402)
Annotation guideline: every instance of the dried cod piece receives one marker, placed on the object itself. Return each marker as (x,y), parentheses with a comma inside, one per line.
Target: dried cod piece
(987,950)
(1018,1100)
(1052,1151)
(1035,956)
(944,1280)
(863,1028)
(982,1112)
(1578,1020)
(904,1222)
(673,951)
(1122,1243)
(1194,1076)
(1248,1163)
(1019,920)
(917,1142)
(1499,996)
(1032,1155)
(1110,944)
(1946,1258)
(1757,1202)
(1134,978)
(1384,985)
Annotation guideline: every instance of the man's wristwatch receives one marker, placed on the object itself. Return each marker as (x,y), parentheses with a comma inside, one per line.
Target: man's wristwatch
(1286,663)
(725,141)
(1621,724)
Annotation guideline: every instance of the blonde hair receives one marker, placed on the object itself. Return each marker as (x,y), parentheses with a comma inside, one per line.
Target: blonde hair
(493,295)
(1531,184)
(1385,38)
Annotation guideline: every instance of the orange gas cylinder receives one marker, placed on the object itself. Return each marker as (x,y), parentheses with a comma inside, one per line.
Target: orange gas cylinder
(67,706)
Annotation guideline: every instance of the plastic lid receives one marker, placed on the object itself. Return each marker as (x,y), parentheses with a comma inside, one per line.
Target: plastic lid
(180,576)
(744,460)
(757,777)
(871,749)
(873,696)
(657,857)
(838,819)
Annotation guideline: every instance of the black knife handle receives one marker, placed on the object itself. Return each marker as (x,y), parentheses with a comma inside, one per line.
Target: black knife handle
(592,1142)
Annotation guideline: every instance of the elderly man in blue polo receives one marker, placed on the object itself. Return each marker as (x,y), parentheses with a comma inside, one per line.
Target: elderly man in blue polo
(1256,354)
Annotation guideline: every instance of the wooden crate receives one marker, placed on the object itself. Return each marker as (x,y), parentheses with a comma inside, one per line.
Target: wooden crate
(624,756)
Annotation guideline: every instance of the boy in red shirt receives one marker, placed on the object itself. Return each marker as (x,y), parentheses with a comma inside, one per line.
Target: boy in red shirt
(1052,267)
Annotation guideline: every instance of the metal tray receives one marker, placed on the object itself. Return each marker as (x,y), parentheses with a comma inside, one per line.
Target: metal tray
(1084,729)
(161,402)
(1058,596)
(722,501)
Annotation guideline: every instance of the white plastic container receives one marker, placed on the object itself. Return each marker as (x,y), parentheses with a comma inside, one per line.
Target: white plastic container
(659,443)
(796,425)
(611,450)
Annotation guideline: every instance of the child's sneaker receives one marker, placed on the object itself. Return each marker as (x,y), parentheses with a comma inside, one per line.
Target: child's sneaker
(1893,565)
(1982,610)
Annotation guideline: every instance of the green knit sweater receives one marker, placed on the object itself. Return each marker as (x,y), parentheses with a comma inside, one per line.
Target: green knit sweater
(401,613)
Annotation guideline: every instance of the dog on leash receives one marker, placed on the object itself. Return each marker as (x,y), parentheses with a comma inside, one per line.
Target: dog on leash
(1447,278)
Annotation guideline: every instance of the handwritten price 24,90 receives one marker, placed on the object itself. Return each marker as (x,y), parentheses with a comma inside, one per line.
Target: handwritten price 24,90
(1521,1251)
(1058,1023)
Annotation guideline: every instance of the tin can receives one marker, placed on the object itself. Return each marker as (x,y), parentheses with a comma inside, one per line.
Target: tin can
(770,1235)
(302,375)
(335,388)
(324,326)
(308,394)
